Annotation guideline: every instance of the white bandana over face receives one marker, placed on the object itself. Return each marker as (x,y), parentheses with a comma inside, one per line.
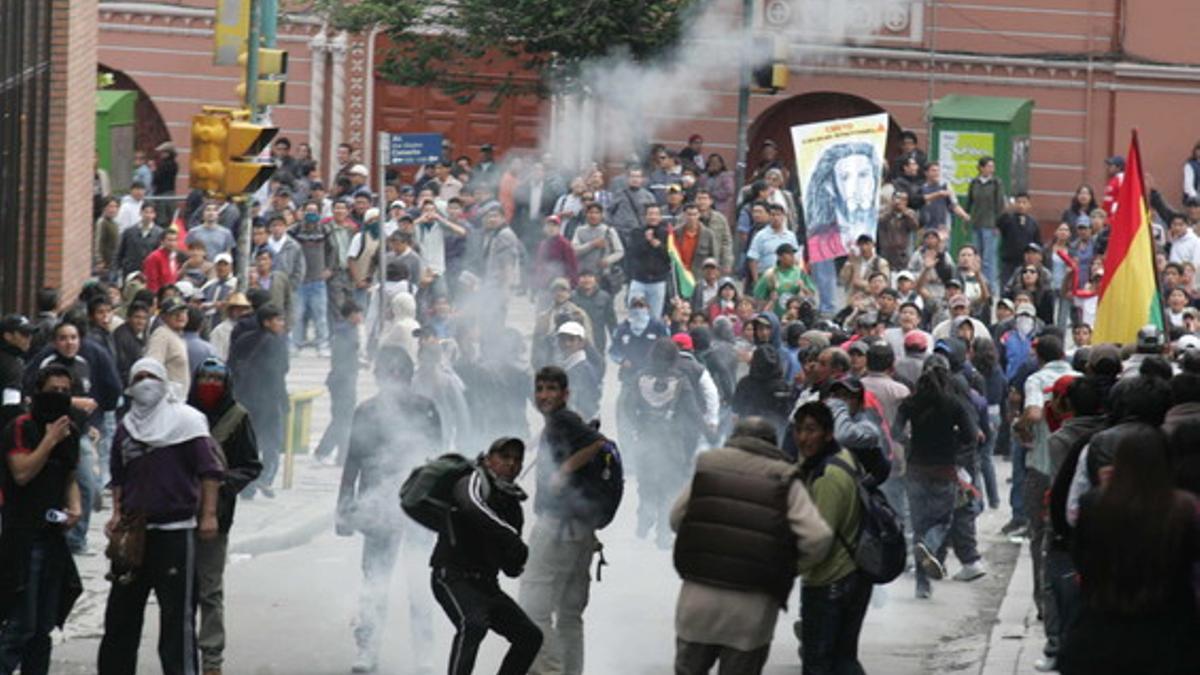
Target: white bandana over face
(157,416)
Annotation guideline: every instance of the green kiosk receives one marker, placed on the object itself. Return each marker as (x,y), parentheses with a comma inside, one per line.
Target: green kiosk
(966,128)
(115,134)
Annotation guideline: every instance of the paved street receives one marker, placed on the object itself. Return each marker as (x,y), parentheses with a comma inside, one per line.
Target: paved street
(292,589)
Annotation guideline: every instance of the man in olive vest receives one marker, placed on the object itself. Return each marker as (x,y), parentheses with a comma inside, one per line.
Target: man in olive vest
(746,525)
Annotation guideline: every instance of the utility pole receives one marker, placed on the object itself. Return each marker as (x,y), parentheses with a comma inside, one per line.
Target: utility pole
(269,9)
(743,110)
(243,271)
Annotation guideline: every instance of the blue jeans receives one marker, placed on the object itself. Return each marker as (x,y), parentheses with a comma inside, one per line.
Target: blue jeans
(987,468)
(86,476)
(1016,496)
(655,294)
(831,619)
(931,502)
(25,636)
(987,240)
(311,301)
(824,275)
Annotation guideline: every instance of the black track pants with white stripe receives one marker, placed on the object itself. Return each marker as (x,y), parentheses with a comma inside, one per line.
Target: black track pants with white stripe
(476,605)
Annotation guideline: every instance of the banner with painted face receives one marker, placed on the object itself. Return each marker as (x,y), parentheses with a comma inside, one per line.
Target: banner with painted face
(839,164)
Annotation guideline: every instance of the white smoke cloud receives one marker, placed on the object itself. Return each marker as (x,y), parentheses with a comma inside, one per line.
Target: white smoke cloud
(626,103)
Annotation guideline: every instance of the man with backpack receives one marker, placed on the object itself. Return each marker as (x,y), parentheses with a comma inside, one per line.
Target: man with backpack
(391,434)
(554,588)
(834,599)
(483,539)
(745,523)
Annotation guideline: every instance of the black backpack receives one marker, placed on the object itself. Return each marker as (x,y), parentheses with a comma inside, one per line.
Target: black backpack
(601,484)
(427,495)
(881,552)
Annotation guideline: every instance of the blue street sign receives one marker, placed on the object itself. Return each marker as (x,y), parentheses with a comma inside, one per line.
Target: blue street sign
(416,148)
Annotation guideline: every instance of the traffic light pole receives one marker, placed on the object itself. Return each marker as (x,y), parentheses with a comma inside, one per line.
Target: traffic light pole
(252,105)
(384,143)
(743,109)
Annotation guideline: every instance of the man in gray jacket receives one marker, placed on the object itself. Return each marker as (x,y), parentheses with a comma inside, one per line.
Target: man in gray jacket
(628,205)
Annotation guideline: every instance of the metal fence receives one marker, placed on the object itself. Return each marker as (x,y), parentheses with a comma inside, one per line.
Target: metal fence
(25,45)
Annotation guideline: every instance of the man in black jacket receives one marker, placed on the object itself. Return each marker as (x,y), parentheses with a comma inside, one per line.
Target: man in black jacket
(391,434)
(486,526)
(16,333)
(40,452)
(648,262)
(212,394)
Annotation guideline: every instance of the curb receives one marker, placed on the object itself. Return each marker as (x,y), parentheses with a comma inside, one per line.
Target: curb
(281,540)
(1013,638)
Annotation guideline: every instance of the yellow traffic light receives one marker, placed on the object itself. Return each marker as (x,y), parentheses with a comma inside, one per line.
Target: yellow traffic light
(224,147)
(207,162)
(271,62)
(245,140)
(771,76)
(270,92)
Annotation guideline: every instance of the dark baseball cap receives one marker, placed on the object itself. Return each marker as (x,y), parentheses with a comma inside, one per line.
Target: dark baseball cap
(784,248)
(506,443)
(17,323)
(848,382)
(172,305)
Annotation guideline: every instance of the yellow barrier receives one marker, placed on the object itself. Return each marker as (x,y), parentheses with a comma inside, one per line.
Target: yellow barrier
(297,429)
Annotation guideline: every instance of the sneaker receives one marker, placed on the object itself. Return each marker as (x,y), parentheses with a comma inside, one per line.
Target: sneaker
(929,563)
(1046,664)
(328,459)
(924,591)
(971,571)
(1013,526)
(363,664)
(266,491)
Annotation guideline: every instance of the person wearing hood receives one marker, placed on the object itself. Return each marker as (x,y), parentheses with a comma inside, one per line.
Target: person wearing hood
(666,411)
(941,422)
(727,610)
(630,349)
(342,381)
(212,394)
(403,324)
(764,392)
(166,477)
(259,363)
(40,451)
(391,434)
(487,520)
(767,331)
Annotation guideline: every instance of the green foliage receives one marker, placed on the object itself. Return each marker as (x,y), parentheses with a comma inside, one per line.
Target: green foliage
(541,44)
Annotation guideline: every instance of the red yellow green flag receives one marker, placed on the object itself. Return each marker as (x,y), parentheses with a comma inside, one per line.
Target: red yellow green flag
(1129,296)
(685,283)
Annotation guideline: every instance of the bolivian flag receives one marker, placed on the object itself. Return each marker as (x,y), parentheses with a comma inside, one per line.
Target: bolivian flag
(685,283)
(1129,296)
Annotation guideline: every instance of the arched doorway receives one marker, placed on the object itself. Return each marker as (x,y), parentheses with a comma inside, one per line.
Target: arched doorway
(775,123)
(149,127)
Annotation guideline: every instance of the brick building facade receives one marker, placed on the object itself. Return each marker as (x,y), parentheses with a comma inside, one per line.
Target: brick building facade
(47,88)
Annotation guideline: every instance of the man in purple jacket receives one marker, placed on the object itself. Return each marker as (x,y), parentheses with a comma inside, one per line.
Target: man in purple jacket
(166,470)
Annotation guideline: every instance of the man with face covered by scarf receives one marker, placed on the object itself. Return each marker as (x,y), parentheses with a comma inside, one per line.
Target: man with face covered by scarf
(212,394)
(38,580)
(166,469)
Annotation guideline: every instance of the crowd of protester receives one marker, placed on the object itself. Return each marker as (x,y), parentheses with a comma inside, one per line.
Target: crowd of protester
(928,359)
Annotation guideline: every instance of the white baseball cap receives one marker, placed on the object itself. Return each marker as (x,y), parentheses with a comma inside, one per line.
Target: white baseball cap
(572,328)
(223,258)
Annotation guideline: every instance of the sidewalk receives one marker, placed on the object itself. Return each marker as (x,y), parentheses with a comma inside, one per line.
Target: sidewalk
(1017,637)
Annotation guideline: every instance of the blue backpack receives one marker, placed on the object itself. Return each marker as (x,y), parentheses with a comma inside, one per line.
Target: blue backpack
(601,484)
